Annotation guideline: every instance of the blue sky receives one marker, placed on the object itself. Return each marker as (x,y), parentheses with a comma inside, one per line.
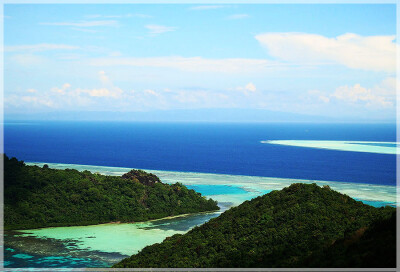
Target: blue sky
(335,60)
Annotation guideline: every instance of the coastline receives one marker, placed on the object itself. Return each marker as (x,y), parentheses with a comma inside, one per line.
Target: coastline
(121,222)
(57,165)
(354,146)
(133,236)
(158,219)
(255,184)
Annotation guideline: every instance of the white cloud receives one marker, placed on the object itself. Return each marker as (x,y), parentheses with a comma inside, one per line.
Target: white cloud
(324,99)
(108,90)
(159,29)
(56,98)
(321,96)
(31,91)
(38,101)
(104,78)
(207,7)
(191,64)
(151,92)
(84,23)
(237,16)
(62,89)
(102,92)
(387,87)
(375,53)
(39,47)
(382,95)
(357,93)
(248,89)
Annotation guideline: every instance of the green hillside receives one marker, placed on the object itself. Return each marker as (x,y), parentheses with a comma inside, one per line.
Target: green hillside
(299,226)
(37,197)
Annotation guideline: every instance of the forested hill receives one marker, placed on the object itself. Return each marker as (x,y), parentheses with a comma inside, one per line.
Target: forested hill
(41,197)
(299,226)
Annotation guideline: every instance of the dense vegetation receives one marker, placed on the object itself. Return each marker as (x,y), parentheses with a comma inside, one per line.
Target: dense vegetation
(299,226)
(368,247)
(41,197)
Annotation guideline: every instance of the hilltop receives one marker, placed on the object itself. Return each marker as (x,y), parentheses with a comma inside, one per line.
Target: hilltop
(302,225)
(36,197)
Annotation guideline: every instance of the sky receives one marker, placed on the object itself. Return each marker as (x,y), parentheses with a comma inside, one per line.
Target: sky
(329,60)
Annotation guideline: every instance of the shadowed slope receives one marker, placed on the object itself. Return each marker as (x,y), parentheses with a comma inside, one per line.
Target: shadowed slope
(36,197)
(280,229)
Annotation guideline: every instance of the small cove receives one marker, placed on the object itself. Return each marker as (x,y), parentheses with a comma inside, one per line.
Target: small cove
(104,244)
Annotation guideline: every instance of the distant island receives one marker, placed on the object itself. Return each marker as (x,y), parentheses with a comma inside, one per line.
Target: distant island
(302,225)
(37,197)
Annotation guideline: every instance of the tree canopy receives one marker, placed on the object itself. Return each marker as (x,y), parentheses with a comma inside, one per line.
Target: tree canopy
(302,225)
(37,197)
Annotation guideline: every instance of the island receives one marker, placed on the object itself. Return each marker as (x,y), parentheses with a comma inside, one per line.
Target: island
(38,197)
(303,225)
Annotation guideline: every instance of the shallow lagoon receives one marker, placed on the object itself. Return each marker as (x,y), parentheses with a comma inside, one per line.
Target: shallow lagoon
(105,244)
(355,146)
(252,185)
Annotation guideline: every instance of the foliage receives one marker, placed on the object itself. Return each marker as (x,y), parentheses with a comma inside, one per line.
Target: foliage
(280,229)
(41,197)
(367,247)
(142,177)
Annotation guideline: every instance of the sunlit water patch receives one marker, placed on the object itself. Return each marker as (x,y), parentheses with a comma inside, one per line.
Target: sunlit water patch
(217,189)
(105,244)
(95,245)
(240,188)
(355,146)
(124,238)
(29,251)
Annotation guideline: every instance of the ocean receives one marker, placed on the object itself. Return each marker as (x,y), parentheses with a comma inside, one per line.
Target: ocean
(230,163)
(234,149)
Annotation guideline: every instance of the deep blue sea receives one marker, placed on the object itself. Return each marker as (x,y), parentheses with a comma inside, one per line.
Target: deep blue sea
(208,148)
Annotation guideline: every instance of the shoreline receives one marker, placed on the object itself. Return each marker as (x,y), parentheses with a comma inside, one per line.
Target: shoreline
(346,146)
(255,185)
(295,180)
(158,219)
(117,222)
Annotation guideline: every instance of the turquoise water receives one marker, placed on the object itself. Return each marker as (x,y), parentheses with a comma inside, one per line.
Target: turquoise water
(227,162)
(24,260)
(217,189)
(382,144)
(102,245)
(233,149)
(377,204)
(253,185)
(353,146)
(22,256)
